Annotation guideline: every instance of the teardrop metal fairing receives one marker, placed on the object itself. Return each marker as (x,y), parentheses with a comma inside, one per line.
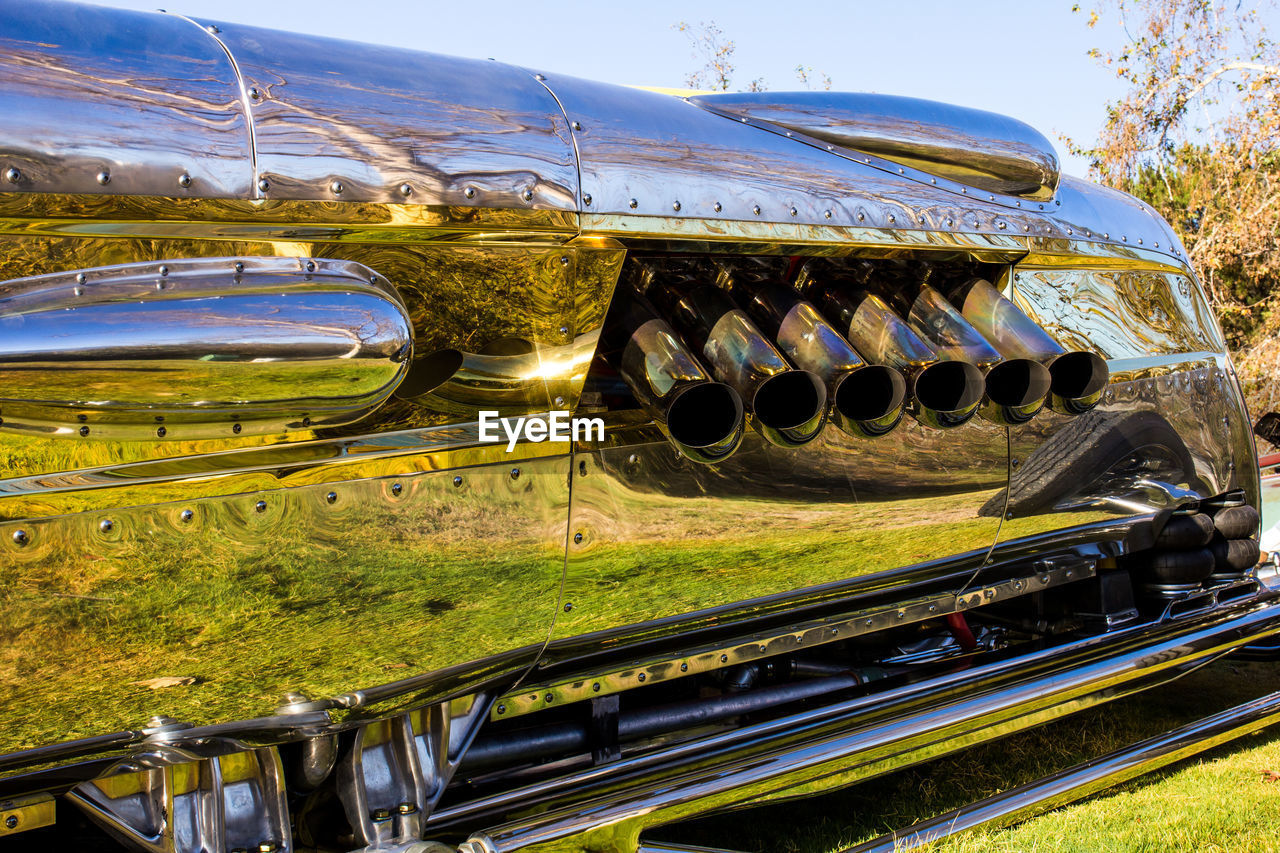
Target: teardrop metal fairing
(194,348)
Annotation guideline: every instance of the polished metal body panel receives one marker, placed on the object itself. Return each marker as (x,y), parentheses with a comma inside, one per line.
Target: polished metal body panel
(974,147)
(318,578)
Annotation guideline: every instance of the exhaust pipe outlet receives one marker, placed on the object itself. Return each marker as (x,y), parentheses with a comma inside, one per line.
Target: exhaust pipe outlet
(864,399)
(1077,379)
(702,418)
(944,393)
(787,407)
(1015,388)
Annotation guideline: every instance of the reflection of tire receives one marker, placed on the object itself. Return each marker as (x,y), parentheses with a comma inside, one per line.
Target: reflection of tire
(1077,455)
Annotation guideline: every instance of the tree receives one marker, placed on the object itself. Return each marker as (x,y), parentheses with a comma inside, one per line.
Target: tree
(715,52)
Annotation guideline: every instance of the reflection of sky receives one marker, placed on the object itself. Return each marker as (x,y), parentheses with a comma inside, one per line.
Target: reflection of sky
(1026,60)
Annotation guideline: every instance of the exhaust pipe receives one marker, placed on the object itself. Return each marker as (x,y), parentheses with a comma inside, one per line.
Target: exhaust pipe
(946,393)
(702,418)
(1016,388)
(865,399)
(786,406)
(1077,379)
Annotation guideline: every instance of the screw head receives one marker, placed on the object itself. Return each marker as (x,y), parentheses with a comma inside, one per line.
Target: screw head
(104,177)
(595,688)
(184,180)
(12,175)
(186,515)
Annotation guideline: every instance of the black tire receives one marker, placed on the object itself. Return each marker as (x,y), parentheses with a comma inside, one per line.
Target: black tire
(1237,522)
(1081,452)
(1184,532)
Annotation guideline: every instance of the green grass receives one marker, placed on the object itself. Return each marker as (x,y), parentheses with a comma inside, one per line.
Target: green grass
(1224,800)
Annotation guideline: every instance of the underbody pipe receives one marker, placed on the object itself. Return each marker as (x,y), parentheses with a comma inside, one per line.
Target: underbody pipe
(865,399)
(1026,801)
(1016,388)
(702,418)
(1077,379)
(786,406)
(944,393)
(850,740)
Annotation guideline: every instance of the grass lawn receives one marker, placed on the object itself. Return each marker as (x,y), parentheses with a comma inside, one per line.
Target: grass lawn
(1224,800)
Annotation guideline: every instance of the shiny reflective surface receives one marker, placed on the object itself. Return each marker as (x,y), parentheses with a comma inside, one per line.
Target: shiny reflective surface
(974,147)
(195,349)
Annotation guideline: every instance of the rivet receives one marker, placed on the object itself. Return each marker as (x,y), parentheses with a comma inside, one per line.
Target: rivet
(11,821)
(84,430)
(331,497)
(457,481)
(933,181)
(254,94)
(79,291)
(559,401)
(1000,225)
(502,709)
(640,677)
(20,537)
(724,658)
(755,208)
(527,194)
(826,214)
(633,459)
(515,473)
(184,180)
(764,648)
(1044,579)
(717,207)
(900,170)
(869,623)
(406,808)
(1124,239)
(469,192)
(1139,241)
(595,688)
(902,614)
(675,205)
(684,667)
(1026,227)
(1106,235)
(568,606)
(264,184)
(239,266)
(1156,244)
(892,218)
(539,77)
(104,177)
(12,175)
(549,698)
(336,187)
(793,211)
(186,515)
(260,506)
(861,216)
(933,608)
(965,191)
(1017,204)
(306,422)
(236,428)
(396,488)
(311,266)
(950,221)
(577,538)
(81,278)
(406,190)
(577,125)
(633,204)
(212,30)
(586,198)
(1070,232)
(1008,514)
(161,432)
(564,330)
(1015,462)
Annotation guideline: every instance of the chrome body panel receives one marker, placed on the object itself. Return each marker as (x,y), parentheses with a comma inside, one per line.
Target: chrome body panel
(974,147)
(359,580)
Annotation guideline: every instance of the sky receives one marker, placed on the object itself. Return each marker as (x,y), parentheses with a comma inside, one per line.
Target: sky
(1025,59)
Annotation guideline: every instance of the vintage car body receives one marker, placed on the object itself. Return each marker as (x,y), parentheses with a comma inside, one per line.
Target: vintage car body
(909,442)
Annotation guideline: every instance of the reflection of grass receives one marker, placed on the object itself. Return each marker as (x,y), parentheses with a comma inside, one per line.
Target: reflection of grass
(1226,800)
(253,607)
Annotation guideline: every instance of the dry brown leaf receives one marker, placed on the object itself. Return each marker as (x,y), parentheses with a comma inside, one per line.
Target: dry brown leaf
(166,681)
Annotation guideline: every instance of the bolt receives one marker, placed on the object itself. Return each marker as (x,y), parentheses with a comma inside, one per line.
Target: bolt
(549,698)
(793,211)
(331,497)
(826,214)
(1015,462)
(1008,515)
(380,815)
(406,808)
(755,208)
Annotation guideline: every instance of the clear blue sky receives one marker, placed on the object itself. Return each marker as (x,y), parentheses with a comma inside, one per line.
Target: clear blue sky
(1025,59)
